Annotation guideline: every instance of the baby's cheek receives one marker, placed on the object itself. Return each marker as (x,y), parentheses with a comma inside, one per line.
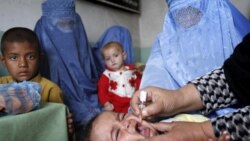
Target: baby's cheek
(130,137)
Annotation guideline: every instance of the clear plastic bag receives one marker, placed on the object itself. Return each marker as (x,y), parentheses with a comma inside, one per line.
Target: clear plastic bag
(16,98)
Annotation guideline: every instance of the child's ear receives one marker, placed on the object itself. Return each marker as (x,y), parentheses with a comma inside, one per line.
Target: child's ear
(124,55)
(2,59)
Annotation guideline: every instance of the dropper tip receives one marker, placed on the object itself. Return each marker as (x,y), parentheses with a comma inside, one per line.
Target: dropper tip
(143,96)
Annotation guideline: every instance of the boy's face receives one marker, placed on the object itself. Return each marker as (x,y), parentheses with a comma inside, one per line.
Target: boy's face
(111,126)
(21,60)
(114,57)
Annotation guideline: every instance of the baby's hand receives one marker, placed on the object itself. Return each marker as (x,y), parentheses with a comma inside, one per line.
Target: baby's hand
(140,68)
(70,123)
(2,104)
(108,106)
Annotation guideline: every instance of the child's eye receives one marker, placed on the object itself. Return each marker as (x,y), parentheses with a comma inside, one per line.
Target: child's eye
(107,59)
(31,57)
(13,58)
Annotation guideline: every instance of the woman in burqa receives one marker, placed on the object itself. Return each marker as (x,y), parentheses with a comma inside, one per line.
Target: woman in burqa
(69,61)
(197,36)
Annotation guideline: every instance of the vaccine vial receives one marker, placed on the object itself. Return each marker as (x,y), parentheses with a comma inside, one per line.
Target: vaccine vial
(143,98)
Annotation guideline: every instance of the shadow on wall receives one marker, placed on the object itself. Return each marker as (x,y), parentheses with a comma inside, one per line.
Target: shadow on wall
(3,71)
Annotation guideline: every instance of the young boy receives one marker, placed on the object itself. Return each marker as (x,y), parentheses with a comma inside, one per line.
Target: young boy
(119,81)
(21,55)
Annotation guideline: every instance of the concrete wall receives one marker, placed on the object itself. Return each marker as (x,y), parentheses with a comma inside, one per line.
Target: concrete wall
(97,18)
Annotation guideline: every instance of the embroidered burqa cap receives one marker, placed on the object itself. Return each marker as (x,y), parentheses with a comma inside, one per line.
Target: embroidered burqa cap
(197,36)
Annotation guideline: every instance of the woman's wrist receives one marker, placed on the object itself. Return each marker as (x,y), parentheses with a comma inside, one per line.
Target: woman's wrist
(189,99)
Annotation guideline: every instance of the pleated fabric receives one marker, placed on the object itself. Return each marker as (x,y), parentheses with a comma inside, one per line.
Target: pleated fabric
(197,36)
(69,61)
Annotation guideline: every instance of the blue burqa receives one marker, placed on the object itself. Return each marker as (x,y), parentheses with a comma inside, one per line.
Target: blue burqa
(197,36)
(69,61)
(114,33)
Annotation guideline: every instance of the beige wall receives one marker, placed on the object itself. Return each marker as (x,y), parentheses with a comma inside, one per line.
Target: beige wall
(97,18)
(243,6)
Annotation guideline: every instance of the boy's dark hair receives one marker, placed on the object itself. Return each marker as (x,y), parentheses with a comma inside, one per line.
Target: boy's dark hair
(87,129)
(19,34)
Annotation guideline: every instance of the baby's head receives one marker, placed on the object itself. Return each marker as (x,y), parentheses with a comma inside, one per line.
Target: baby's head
(113,55)
(111,126)
(20,53)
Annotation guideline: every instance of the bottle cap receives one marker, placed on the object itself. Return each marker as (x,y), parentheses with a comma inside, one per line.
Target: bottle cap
(143,96)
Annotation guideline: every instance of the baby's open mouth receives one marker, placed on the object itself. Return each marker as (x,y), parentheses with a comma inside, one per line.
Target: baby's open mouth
(144,131)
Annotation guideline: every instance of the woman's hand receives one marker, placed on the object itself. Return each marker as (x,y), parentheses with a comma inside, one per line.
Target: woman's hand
(225,136)
(162,102)
(183,131)
(157,102)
